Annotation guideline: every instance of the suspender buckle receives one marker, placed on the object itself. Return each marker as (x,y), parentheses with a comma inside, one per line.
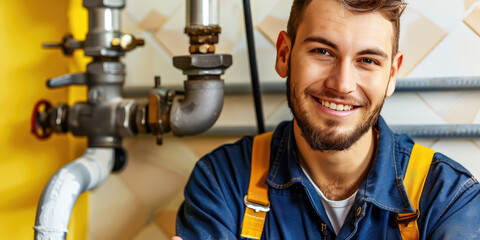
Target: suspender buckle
(405,218)
(255,206)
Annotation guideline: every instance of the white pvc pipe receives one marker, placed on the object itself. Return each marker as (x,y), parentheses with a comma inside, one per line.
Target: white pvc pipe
(62,191)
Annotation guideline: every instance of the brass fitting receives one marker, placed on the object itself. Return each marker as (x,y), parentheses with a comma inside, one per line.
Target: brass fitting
(203,38)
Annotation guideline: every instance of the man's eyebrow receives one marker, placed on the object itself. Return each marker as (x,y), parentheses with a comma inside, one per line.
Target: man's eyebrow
(373,51)
(321,40)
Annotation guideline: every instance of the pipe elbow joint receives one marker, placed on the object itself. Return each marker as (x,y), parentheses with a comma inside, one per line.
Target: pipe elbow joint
(61,192)
(199,109)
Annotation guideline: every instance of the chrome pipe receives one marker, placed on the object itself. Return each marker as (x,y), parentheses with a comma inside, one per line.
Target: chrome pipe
(439,131)
(403,85)
(104,25)
(202,12)
(102,20)
(438,84)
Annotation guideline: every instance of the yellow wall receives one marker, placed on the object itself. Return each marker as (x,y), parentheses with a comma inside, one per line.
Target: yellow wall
(26,163)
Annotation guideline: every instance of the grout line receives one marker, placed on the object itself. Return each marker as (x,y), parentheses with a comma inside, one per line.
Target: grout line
(429,106)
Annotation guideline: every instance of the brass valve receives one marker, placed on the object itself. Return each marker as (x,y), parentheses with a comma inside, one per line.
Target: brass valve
(159,103)
(127,42)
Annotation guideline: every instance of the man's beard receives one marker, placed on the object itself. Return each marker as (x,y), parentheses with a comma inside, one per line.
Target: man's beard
(328,139)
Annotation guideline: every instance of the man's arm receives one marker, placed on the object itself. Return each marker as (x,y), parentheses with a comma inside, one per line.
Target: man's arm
(205,213)
(461,218)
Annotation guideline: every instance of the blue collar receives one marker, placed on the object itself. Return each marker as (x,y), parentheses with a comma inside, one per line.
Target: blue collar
(383,186)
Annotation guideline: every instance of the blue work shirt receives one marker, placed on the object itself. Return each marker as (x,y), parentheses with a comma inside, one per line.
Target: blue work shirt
(214,208)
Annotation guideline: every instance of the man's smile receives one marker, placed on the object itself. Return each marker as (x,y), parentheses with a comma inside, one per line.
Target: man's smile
(336,108)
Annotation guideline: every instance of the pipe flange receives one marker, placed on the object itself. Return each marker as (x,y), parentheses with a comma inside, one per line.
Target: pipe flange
(203,64)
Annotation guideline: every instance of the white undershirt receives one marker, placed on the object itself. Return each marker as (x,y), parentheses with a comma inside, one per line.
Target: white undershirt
(336,210)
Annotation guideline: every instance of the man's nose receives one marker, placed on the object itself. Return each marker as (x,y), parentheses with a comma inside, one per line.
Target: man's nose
(342,78)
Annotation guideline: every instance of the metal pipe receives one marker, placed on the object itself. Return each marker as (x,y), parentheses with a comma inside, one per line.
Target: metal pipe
(61,192)
(253,66)
(102,20)
(199,109)
(439,131)
(202,12)
(403,85)
(438,84)
(104,25)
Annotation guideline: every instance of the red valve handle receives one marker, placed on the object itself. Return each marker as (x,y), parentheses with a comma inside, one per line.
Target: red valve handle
(46,131)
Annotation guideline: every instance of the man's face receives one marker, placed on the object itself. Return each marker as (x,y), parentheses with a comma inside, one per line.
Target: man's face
(339,72)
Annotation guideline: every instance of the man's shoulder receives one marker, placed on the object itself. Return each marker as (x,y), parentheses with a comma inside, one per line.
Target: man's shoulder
(448,190)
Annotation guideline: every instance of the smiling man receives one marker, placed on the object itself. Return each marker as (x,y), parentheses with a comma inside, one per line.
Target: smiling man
(336,170)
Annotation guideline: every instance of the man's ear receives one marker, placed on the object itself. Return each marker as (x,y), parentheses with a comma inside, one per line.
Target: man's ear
(283,54)
(396,64)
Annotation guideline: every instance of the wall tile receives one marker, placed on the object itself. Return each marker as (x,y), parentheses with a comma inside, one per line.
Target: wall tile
(408,108)
(165,220)
(174,42)
(473,20)
(129,25)
(441,102)
(173,153)
(271,26)
(282,113)
(468,3)
(464,110)
(445,13)
(457,55)
(477,119)
(152,181)
(203,144)
(418,36)
(231,21)
(477,142)
(261,9)
(139,9)
(153,21)
(151,231)
(238,110)
(115,211)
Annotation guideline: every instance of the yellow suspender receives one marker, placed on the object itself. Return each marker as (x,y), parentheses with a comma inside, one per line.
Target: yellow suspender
(415,177)
(257,203)
(256,200)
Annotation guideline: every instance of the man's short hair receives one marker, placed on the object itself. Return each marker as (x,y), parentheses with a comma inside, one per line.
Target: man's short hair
(390,9)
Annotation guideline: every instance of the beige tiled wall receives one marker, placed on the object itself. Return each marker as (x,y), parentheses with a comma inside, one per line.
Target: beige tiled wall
(439,37)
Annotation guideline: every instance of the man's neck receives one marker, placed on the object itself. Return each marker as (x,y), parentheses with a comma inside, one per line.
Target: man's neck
(339,174)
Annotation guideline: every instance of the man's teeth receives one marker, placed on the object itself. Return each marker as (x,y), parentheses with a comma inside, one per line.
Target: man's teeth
(338,107)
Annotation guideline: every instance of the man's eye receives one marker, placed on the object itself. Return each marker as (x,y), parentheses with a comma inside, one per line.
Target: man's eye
(368,61)
(321,51)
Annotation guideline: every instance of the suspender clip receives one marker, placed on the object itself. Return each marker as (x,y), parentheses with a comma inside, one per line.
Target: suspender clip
(255,206)
(405,218)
